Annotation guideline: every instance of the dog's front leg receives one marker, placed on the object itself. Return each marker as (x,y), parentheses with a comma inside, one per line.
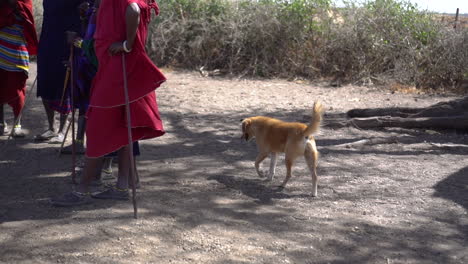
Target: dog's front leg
(261,156)
(273,158)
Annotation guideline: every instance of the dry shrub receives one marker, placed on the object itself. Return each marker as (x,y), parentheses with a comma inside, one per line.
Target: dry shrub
(444,61)
(262,38)
(379,41)
(392,40)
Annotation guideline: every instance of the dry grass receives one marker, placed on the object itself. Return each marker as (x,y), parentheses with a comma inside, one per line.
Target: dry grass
(449,20)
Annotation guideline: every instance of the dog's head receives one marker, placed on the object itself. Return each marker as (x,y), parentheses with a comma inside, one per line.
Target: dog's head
(247,129)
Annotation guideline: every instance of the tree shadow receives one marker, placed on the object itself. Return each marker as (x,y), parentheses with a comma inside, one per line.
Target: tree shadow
(203,175)
(454,188)
(259,190)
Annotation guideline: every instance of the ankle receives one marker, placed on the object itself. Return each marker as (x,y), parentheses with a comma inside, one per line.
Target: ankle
(82,188)
(121,187)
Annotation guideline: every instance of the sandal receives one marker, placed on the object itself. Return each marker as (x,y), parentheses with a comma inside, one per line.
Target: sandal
(57,139)
(71,199)
(92,183)
(17,132)
(79,148)
(45,136)
(112,193)
(107,174)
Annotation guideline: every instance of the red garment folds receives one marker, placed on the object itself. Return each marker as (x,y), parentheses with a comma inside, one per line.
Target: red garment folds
(25,10)
(143,76)
(16,92)
(106,129)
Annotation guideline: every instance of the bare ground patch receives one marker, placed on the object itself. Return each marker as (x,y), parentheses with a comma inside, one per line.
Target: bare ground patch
(201,201)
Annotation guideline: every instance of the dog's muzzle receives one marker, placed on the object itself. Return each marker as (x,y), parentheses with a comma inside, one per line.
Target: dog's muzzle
(245,136)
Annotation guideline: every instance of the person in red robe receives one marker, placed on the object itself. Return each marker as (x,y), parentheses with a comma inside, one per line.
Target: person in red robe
(122,27)
(18,41)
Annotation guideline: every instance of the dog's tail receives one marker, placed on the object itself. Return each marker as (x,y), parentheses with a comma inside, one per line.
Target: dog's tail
(315,121)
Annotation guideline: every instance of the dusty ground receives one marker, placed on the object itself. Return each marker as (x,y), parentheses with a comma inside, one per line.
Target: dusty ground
(201,201)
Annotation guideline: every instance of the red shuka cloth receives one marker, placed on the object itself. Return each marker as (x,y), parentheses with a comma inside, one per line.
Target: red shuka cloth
(13,84)
(107,126)
(25,10)
(16,92)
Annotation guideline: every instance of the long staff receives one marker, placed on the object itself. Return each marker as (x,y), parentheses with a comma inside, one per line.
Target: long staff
(65,84)
(72,88)
(64,139)
(130,142)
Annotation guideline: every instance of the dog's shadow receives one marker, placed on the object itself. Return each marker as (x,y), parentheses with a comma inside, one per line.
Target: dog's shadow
(258,189)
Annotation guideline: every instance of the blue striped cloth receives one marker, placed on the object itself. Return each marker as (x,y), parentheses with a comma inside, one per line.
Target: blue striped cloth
(14,54)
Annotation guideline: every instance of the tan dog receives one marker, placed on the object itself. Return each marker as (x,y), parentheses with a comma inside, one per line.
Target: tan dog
(294,139)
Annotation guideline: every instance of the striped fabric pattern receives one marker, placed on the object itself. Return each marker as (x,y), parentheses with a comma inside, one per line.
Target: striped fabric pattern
(14,54)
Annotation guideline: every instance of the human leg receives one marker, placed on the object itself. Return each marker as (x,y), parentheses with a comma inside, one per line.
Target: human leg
(137,176)
(79,141)
(17,106)
(80,133)
(3,125)
(91,172)
(62,122)
(124,167)
(13,93)
(59,137)
(3,99)
(120,190)
(50,132)
(106,172)
(50,115)
(81,194)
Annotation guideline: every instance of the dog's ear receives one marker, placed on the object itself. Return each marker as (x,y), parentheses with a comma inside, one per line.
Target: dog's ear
(245,124)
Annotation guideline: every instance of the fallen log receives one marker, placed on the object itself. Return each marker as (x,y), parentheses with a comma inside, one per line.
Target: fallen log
(442,109)
(449,122)
(445,115)
(368,141)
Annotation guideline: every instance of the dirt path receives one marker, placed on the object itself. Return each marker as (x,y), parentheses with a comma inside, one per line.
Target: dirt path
(201,201)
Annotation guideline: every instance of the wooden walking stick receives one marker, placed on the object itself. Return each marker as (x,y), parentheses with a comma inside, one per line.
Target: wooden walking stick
(65,83)
(64,139)
(72,88)
(130,141)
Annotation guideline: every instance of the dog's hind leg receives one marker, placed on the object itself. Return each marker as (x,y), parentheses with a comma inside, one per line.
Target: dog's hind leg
(273,158)
(311,158)
(260,157)
(289,164)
